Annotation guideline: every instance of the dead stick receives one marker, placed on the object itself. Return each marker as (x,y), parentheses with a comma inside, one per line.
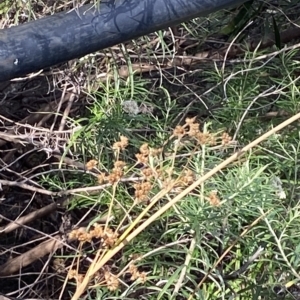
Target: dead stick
(29,218)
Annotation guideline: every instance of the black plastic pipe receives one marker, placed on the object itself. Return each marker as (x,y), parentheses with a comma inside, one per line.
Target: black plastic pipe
(39,44)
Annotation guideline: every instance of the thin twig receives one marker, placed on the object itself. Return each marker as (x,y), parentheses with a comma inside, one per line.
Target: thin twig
(46,210)
(245,266)
(66,192)
(188,258)
(67,111)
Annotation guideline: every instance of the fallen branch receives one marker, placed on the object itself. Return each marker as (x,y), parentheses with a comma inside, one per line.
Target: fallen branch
(49,246)
(29,218)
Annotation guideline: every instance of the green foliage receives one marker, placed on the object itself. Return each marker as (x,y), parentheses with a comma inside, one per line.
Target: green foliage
(249,209)
(190,238)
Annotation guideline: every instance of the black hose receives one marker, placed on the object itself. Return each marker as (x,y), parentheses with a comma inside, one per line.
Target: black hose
(39,44)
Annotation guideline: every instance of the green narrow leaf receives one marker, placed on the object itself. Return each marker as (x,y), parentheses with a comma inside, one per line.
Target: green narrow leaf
(276,34)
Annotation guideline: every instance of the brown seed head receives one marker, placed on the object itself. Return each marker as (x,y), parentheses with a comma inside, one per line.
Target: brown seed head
(119,164)
(144,149)
(194,129)
(190,121)
(179,131)
(143,159)
(214,199)
(122,144)
(226,139)
(91,164)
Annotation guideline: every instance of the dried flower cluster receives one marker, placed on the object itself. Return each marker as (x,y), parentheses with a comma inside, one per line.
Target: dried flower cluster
(122,144)
(143,156)
(105,277)
(226,139)
(73,274)
(112,282)
(192,129)
(107,236)
(116,173)
(135,274)
(214,199)
(91,164)
(143,188)
(179,131)
(187,178)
